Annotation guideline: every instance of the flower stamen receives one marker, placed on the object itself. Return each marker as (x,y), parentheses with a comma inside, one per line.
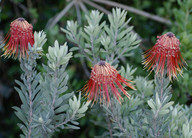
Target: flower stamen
(103,79)
(166,50)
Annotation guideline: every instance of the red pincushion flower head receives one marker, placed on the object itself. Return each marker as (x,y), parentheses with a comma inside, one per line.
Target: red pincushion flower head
(166,50)
(20,34)
(104,78)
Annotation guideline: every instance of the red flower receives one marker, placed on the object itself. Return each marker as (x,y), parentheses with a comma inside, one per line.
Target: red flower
(102,80)
(166,50)
(20,34)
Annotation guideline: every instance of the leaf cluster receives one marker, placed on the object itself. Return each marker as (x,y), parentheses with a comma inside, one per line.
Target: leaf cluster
(46,105)
(97,40)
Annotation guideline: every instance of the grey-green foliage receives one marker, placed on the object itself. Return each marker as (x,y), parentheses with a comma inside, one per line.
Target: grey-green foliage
(97,40)
(126,119)
(149,112)
(127,72)
(181,121)
(29,89)
(46,106)
(144,87)
(57,103)
(157,117)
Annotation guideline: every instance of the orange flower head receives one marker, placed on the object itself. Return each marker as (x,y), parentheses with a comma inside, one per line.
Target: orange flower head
(166,50)
(20,34)
(105,78)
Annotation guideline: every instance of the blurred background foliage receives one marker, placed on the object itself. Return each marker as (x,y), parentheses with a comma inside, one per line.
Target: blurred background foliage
(176,15)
